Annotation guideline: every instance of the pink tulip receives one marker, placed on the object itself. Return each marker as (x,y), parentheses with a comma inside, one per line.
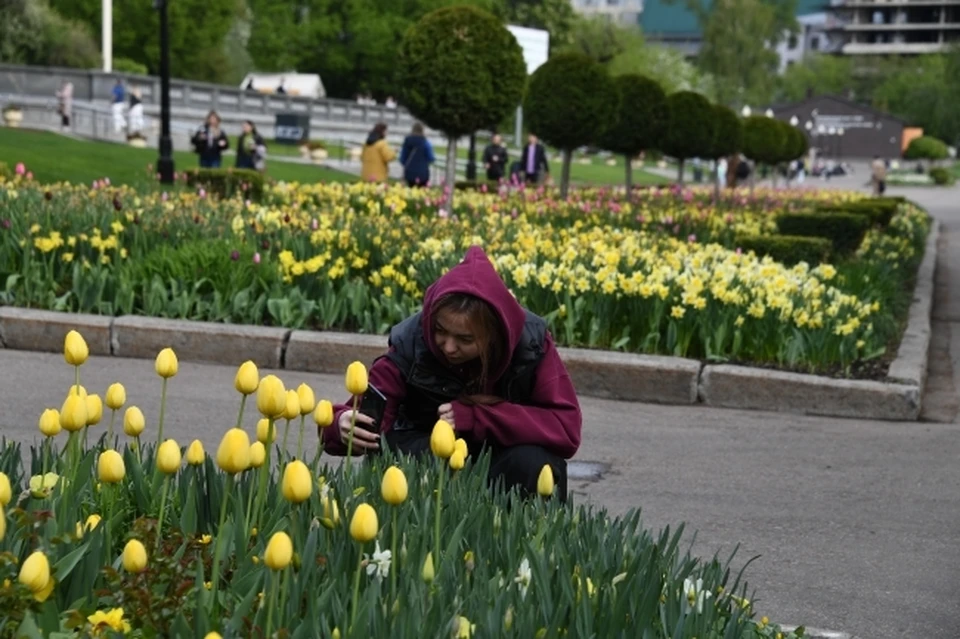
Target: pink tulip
(256,258)
(20,168)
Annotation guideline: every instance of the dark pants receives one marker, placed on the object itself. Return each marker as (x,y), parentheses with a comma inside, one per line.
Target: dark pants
(533,178)
(510,467)
(209,162)
(495,174)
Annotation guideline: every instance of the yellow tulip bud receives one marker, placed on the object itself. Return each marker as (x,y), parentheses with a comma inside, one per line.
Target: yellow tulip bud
(331,513)
(46,591)
(35,572)
(50,422)
(94,410)
(457,460)
(545,481)
(116,396)
(323,414)
(168,457)
(134,556)
(292,408)
(442,439)
(233,455)
(247,379)
(335,634)
(464,628)
(133,422)
(297,483)
(195,453)
(110,468)
(460,445)
(258,454)
(271,397)
(6,493)
(364,525)
(427,572)
(307,399)
(279,551)
(75,351)
(212,635)
(393,488)
(92,522)
(73,414)
(266,433)
(78,390)
(166,364)
(356,380)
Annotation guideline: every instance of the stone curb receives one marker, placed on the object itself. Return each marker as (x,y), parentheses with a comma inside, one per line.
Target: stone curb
(28,329)
(629,377)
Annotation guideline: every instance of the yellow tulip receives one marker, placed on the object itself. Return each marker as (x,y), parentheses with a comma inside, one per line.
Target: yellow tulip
(75,349)
(323,415)
(442,439)
(35,572)
(73,414)
(457,460)
(92,522)
(545,481)
(166,364)
(134,556)
(335,634)
(265,433)
(41,486)
(133,421)
(356,380)
(6,493)
(279,551)
(271,397)
(428,573)
(233,455)
(46,591)
(331,513)
(50,422)
(78,390)
(364,525)
(212,635)
(247,379)
(307,399)
(258,454)
(461,445)
(393,488)
(116,396)
(110,468)
(195,453)
(168,457)
(297,483)
(291,408)
(464,628)
(94,410)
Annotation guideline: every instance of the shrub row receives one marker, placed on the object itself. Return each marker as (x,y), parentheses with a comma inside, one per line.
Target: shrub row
(228,182)
(844,230)
(941,176)
(788,249)
(879,211)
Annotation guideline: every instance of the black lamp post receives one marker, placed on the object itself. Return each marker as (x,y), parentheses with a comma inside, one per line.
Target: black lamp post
(165,163)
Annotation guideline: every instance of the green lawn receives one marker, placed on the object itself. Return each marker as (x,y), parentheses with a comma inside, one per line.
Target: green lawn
(54,158)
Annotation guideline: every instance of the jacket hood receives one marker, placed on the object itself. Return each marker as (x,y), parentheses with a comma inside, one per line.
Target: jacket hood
(476,276)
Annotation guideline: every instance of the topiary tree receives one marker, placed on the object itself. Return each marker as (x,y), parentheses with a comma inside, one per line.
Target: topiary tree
(639,122)
(926,148)
(795,146)
(690,128)
(570,102)
(461,70)
(727,139)
(764,140)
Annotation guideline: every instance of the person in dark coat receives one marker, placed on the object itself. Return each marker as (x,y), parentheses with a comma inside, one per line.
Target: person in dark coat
(416,156)
(251,148)
(495,158)
(534,160)
(209,142)
(477,359)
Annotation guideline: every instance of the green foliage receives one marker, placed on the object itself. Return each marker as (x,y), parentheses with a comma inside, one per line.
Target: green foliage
(692,126)
(941,176)
(228,182)
(844,230)
(461,70)
(880,210)
(797,143)
(33,33)
(926,148)
(728,138)
(126,65)
(764,139)
(640,118)
(788,249)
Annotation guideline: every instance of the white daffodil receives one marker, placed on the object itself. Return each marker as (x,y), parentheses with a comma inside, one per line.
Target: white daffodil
(379,563)
(694,595)
(523,577)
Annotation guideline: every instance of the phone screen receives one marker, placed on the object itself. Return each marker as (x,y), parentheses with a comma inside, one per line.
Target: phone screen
(372,405)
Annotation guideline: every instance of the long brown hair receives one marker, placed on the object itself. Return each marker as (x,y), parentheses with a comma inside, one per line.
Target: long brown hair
(488,332)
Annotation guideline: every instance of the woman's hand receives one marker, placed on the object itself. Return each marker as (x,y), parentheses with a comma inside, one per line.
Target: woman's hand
(363,439)
(445,412)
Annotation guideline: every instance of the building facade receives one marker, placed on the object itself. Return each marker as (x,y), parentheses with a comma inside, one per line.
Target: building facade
(625,12)
(896,27)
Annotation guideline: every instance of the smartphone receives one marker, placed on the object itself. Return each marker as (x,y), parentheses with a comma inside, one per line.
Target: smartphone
(372,405)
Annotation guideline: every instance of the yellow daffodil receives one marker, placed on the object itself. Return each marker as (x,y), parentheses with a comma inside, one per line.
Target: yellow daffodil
(112,619)
(41,486)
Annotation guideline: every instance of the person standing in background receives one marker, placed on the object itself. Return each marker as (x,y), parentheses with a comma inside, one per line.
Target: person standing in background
(251,148)
(376,156)
(722,172)
(209,142)
(136,114)
(416,156)
(495,158)
(534,160)
(878,175)
(119,96)
(65,104)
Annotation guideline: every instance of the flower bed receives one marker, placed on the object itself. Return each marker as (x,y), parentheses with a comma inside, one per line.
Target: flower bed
(661,275)
(120,536)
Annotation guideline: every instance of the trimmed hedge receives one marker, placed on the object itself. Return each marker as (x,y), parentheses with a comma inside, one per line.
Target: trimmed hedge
(788,249)
(926,148)
(879,210)
(228,182)
(941,176)
(844,230)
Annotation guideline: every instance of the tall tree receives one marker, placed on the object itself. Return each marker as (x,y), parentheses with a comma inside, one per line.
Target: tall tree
(691,128)
(639,122)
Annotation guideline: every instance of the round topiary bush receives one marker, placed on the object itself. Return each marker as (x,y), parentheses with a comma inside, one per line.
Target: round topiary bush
(727,138)
(690,129)
(764,139)
(796,146)
(926,148)
(640,119)
(570,102)
(461,70)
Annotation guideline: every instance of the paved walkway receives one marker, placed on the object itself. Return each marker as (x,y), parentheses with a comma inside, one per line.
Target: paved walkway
(856,523)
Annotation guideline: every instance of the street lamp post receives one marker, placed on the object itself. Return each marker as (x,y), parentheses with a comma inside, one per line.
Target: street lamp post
(165,164)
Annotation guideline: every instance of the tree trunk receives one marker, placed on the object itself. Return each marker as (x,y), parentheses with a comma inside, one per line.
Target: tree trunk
(565,173)
(716,181)
(680,173)
(451,176)
(628,163)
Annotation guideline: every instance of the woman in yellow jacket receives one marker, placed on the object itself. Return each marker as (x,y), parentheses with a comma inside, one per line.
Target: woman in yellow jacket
(376,156)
